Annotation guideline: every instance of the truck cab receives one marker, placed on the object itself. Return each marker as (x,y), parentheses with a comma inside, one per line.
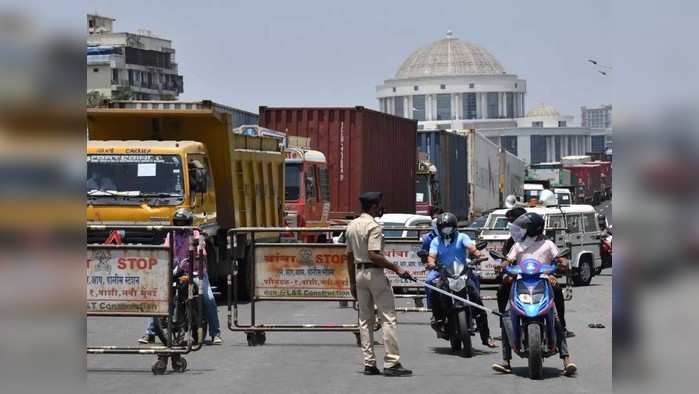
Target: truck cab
(575,227)
(426,188)
(145,182)
(306,191)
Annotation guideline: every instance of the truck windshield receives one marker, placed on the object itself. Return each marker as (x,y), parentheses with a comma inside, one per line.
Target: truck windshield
(292,181)
(134,175)
(422,191)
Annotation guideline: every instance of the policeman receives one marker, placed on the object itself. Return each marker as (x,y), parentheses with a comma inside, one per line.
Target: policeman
(366,264)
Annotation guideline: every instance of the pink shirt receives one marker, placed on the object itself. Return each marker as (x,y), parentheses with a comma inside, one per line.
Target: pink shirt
(542,250)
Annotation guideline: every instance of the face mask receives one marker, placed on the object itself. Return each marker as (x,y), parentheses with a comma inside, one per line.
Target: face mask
(447,230)
(518,234)
(381,210)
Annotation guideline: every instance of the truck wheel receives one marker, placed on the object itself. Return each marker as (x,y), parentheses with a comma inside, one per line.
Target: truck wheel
(536,361)
(584,274)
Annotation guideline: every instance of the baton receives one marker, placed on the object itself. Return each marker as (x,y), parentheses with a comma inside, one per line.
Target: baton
(465,301)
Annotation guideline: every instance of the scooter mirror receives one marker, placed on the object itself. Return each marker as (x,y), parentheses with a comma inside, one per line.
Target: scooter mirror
(481,245)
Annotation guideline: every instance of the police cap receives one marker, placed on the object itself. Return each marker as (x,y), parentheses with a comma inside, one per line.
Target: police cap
(370,198)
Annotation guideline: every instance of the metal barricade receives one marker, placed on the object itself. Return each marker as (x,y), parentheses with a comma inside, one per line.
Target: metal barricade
(286,272)
(136,280)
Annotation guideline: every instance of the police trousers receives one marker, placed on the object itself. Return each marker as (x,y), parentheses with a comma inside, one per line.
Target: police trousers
(373,288)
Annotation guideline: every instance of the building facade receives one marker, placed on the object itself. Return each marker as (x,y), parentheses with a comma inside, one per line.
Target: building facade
(546,136)
(596,117)
(452,84)
(127,65)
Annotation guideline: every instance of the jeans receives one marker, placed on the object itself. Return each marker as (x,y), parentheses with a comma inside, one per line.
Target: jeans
(432,275)
(209,305)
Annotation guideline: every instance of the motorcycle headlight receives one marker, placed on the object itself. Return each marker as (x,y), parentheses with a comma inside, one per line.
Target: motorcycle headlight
(458,284)
(525,298)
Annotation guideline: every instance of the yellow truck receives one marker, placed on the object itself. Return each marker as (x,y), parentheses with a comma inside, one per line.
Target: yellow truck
(146,159)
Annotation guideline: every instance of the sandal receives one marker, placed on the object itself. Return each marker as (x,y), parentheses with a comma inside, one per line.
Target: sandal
(490,343)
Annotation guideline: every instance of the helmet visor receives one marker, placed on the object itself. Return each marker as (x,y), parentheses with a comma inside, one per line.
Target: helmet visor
(518,233)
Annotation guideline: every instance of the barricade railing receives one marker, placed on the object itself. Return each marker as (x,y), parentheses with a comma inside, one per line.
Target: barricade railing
(286,272)
(136,280)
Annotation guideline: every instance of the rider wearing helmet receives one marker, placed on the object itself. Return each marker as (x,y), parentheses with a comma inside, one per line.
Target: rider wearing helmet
(448,246)
(425,250)
(528,233)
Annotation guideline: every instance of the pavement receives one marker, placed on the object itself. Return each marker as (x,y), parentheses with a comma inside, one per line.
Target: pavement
(331,362)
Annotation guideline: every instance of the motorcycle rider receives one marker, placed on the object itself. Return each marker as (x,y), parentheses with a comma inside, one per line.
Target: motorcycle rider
(503,292)
(425,250)
(448,246)
(528,233)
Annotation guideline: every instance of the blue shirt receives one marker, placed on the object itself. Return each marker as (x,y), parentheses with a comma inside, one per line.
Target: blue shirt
(427,240)
(446,253)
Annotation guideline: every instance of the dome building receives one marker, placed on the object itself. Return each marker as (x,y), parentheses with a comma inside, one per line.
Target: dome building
(453,84)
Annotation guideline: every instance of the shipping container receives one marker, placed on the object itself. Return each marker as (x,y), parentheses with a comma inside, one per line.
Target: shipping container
(366,150)
(512,174)
(483,173)
(448,151)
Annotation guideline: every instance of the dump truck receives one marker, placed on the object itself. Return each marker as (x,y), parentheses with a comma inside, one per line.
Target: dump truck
(146,159)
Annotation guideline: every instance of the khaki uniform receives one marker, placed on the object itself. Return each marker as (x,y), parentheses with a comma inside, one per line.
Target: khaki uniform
(373,288)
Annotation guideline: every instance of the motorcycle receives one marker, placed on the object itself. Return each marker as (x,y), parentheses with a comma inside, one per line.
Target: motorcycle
(532,326)
(459,325)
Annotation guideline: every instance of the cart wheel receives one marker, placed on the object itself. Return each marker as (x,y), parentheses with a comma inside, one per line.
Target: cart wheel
(419,303)
(179,365)
(159,366)
(251,338)
(260,338)
(359,339)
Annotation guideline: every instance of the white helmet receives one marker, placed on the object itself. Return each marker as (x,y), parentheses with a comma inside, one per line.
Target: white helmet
(548,198)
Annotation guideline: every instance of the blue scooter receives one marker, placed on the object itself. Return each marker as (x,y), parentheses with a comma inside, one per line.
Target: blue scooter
(531,326)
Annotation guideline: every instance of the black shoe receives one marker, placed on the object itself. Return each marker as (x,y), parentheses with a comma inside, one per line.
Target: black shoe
(570,334)
(371,370)
(397,370)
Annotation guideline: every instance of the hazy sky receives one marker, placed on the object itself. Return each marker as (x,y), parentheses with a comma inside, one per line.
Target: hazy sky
(331,53)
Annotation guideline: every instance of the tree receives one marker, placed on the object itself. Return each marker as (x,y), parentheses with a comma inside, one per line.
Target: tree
(122,93)
(95,98)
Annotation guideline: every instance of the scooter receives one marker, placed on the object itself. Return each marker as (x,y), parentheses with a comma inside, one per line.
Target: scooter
(459,325)
(531,327)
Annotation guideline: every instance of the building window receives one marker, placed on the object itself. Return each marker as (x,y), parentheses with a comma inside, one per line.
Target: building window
(509,143)
(443,106)
(416,88)
(115,76)
(538,149)
(398,107)
(382,105)
(471,86)
(558,147)
(419,107)
(510,108)
(468,101)
(515,85)
(394,89)
(492,99)
(598,143)
(562,123)
(442,86)
(95,70)
(537,124)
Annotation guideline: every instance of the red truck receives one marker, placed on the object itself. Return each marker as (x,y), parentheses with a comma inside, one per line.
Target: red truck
(306,193)
(366,150)
(606,169)
(590,188)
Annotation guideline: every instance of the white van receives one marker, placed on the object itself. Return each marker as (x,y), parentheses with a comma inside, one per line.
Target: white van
(575,227)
